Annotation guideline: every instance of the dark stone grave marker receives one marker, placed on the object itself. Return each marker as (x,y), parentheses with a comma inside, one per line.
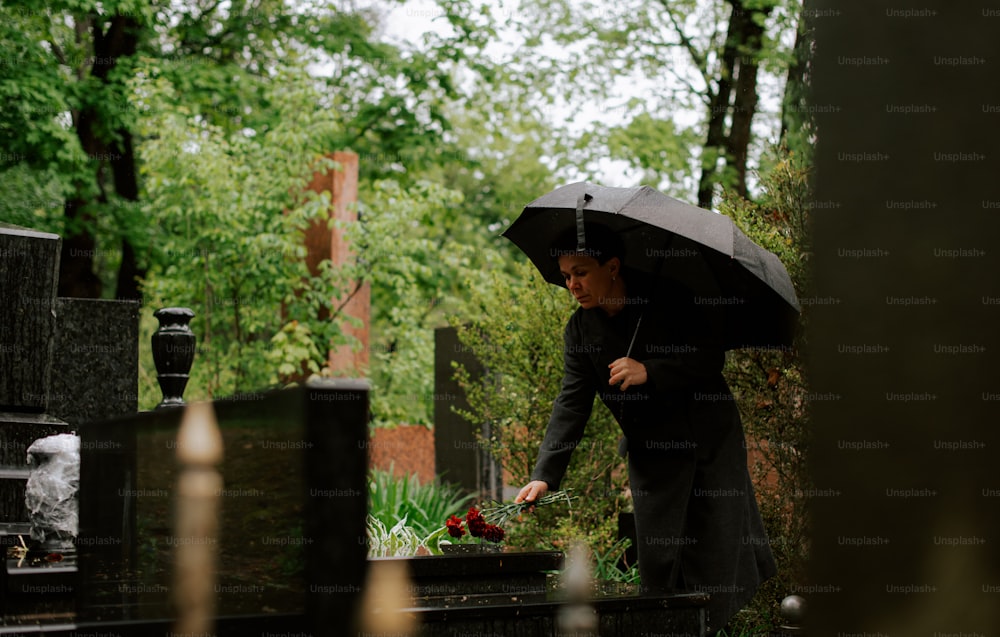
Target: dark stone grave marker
(291,545)
(458,453)
(29,264)
(95,361)
(62,361)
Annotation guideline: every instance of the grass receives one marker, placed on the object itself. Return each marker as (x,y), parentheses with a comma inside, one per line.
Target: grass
(606,567)
(420,507)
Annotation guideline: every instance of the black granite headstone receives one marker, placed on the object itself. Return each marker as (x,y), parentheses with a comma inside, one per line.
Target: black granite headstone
(458,453)
(73,359)
(515,593)
(336,507)
(292,553)
(29,266)
(29,263)
(96,360)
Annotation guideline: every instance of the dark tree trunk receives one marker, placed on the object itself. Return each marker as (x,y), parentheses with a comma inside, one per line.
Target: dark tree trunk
(717,111)
(76,262)
(793,105)
(738,68)
(76,272)
(129,274)
(744,101)
(127,187)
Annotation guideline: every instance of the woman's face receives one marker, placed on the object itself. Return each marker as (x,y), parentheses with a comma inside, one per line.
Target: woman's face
(590,282)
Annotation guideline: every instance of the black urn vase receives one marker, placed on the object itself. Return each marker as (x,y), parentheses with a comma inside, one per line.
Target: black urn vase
(173,353)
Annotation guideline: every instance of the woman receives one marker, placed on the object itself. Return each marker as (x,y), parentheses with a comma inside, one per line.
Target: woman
(646,347)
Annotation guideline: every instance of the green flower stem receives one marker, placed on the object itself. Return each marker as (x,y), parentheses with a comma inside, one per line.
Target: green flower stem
(498,513)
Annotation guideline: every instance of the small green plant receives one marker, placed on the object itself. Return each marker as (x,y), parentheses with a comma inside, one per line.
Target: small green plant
(606,567)
(421,507)
(398,541)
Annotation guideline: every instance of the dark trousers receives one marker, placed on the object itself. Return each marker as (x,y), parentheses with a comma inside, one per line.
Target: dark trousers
(697,521)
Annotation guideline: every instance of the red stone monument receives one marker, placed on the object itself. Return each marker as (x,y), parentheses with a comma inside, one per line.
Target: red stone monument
(323,242)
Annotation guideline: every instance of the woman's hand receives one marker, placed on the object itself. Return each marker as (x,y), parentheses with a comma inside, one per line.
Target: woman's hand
(532,491)
(628,372)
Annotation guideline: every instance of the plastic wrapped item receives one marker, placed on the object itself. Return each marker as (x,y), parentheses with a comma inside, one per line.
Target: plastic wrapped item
(50,494)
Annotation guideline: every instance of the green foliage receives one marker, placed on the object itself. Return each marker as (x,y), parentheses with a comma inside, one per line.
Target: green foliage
(411,244)
(226,125)
(772,388)
(31,199)
(421,507)
(657,147)
(232,209)
(34,102)
(293,351)
(517,335)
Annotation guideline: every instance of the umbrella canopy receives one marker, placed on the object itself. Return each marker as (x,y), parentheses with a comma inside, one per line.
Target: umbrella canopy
(666,237)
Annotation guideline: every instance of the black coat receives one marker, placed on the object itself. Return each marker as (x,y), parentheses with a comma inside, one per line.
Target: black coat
(696,515)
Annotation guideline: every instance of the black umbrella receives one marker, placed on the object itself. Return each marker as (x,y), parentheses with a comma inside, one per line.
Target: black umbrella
(702,250)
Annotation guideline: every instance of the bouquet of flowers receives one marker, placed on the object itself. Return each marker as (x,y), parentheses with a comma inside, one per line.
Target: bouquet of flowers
(487,524)
(478,527)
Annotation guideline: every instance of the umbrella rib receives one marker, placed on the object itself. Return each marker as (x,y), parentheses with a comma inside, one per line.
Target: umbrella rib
(634,196)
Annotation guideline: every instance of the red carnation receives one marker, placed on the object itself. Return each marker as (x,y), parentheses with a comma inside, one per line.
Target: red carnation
(454,525)
(493,533)
(477,525)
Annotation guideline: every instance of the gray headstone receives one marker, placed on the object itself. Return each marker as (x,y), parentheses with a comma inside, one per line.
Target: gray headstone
(96,360)
(29,265)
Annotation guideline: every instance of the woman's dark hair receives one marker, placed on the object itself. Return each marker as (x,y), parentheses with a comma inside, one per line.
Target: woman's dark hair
(602,243)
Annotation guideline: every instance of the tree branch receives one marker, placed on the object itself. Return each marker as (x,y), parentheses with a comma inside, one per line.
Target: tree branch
(58,52)
(700,60)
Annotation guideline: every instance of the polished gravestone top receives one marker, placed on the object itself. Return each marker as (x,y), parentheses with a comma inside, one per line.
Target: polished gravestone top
(518,593)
